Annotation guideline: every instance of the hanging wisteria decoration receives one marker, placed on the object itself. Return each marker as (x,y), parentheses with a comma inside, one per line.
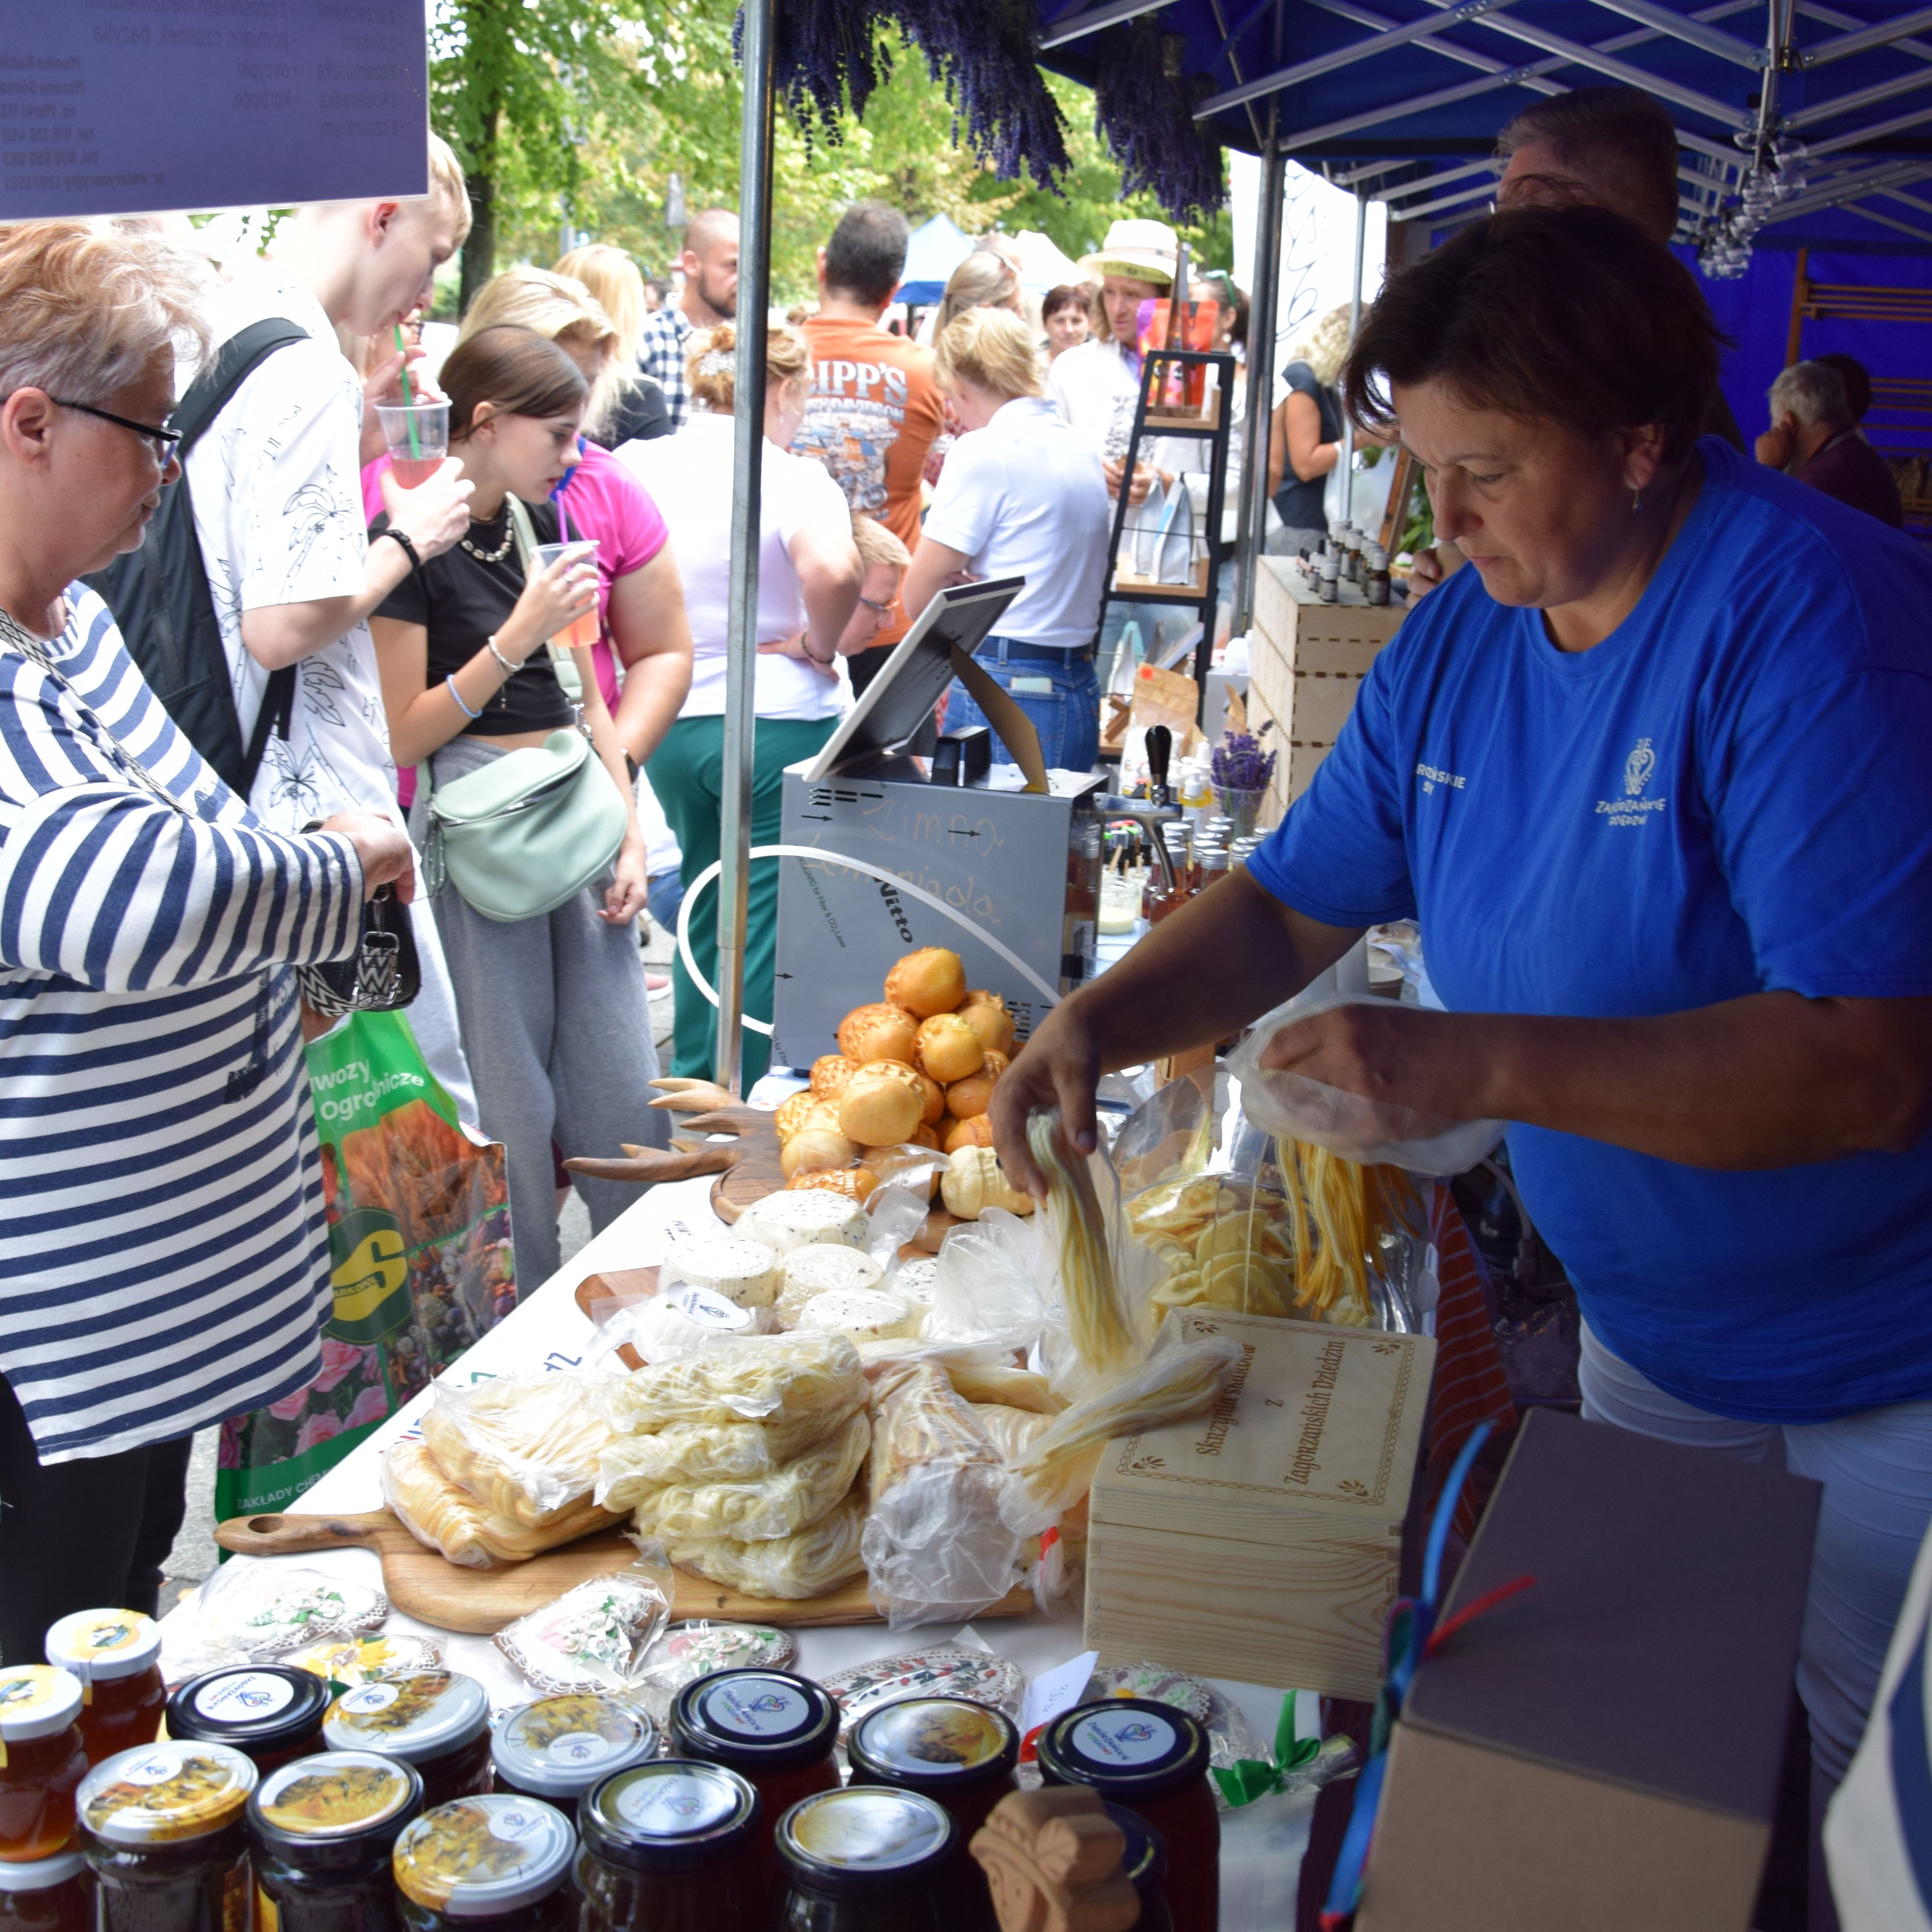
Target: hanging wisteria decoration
(1144,108)
(827,55)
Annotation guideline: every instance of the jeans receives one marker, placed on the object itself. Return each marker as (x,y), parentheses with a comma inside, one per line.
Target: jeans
(1066,714)
(1877,1469)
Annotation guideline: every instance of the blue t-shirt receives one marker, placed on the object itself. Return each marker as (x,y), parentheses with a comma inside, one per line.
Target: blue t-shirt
(1731,794)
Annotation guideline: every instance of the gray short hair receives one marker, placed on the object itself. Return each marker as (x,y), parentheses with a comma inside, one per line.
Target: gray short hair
(1814,392)
(85,309)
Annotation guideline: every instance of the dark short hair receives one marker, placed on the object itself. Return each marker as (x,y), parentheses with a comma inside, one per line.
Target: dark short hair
(1618,140)
(523,373)
(1566,315)
(1068,295)
(866,255)
(1857,379)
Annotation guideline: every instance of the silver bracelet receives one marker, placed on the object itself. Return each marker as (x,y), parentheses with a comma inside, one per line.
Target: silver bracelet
(508,668)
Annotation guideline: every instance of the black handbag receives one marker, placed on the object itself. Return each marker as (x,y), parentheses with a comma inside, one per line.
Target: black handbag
(385,975)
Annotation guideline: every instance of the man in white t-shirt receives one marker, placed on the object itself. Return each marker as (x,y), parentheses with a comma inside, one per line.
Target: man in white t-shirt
(276,485)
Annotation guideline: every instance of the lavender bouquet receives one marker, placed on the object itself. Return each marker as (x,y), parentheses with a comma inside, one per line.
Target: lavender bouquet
(1242,772)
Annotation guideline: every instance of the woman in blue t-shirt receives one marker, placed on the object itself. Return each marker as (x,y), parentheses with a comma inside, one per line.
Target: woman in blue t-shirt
(1653,777)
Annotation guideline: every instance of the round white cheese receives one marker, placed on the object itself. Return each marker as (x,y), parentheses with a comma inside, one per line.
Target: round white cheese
(807,1216)
(745,1272)
(815,1271)
(917,1281)
(866,1314)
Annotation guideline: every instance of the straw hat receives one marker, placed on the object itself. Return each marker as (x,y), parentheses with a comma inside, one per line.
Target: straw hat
(1144,250)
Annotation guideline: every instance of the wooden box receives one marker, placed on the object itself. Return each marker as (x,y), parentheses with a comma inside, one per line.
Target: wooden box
(1307,660)
(1260,1542)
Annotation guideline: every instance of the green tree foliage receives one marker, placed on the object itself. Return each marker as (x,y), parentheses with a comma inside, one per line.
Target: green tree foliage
(577,113)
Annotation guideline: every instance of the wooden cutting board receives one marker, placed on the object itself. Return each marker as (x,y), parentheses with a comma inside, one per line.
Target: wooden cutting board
(434,1590)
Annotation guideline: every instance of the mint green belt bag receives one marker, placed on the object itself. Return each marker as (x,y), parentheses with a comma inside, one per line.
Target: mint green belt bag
(531,829)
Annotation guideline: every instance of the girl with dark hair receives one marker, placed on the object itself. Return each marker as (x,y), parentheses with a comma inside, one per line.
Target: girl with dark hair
(554,1010)
(1652,776)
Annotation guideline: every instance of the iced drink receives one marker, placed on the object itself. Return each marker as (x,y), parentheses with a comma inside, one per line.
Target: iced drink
(580,633)
(417,437)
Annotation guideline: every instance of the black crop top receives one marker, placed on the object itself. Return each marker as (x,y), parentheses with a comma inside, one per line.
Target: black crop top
(461,601)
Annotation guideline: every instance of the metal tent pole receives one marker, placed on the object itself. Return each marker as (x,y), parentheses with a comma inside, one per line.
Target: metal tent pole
(1354,329)
(754,268)
(1263,300)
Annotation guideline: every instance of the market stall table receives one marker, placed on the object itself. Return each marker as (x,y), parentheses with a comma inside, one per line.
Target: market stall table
(1262,1845)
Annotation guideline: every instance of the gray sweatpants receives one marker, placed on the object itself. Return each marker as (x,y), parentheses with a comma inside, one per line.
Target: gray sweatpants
(557,1027)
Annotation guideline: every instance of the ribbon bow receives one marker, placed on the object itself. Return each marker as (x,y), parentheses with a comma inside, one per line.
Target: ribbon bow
(1249,1778)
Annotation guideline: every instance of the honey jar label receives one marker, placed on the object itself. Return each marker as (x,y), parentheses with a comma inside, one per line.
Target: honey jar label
(674,1804)
(763,1708)
(247,1694)
(1127,1738)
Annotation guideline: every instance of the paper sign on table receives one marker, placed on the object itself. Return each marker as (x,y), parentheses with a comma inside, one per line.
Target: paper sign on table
(1050,1693)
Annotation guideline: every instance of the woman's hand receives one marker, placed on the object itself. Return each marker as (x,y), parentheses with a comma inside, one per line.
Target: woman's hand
(552,600)
(624,897)
(1059,1066)
(382,847)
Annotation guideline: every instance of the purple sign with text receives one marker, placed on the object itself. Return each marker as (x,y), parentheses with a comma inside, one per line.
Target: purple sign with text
(135,106)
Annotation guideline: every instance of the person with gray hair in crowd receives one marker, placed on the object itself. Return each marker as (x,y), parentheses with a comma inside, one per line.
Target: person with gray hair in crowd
(1814,437)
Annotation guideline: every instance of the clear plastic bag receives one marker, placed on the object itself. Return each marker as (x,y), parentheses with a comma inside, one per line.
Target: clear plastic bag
(796,1377)
(446,1518)
(987,1290)
(792,1567)
(596,1636)
(687,1651)
(761,1509)
(265,1610)
(1349,1124)
(526,1447)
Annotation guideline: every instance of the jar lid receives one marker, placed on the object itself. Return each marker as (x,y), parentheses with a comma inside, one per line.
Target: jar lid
(933,1743)
(561,1747)
(416,1717)
(244,1704)
(37,1701)
(754,1721)
(99,1646)
(672,1813)
(480,1856)
(337,1807)
(1130,1745)
(864,1837)
(1144,1859)
(165,1793)
(40,1874)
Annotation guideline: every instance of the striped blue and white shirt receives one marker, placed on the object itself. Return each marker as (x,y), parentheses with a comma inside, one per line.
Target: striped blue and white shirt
(164,1257)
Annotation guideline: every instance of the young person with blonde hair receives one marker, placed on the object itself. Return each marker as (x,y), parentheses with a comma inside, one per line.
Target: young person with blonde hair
(808,584)
(1023,495)
(1305,433)
(640,412)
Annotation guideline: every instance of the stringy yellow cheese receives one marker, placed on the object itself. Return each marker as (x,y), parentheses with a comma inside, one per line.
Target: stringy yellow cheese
(1097,1319)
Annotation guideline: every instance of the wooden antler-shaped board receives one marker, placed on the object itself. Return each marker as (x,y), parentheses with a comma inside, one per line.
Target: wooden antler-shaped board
(710,1111)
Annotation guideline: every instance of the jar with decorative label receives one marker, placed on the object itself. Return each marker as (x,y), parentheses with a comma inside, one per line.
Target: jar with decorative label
(561,1748)
(865,1859)
(664,1846)
(438,1721)
(43,1758)
(271,1711)
(489,1863)
(52,1894)
(117,1656)
(323,1830)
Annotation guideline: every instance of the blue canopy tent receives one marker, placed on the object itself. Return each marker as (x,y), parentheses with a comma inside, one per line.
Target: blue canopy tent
(937,248)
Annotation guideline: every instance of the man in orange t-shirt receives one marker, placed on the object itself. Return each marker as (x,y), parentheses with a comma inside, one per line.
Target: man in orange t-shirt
(875,408)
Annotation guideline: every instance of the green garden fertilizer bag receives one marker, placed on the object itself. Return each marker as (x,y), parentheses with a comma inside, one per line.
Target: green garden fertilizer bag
(419,1249)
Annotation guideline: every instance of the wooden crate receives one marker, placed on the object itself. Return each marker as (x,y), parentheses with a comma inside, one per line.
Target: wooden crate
(1262,1542)
(1307,661)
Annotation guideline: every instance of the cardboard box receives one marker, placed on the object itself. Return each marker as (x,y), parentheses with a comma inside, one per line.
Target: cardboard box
(1260,1542)
(1601,1753)
(1307,660)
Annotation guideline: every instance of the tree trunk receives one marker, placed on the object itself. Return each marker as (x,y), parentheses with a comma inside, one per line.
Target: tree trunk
(479,247)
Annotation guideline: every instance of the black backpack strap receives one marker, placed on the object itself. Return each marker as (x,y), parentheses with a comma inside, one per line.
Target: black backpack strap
(278,703)
(236,360)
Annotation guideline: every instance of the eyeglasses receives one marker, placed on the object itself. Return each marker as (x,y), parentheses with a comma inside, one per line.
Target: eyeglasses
(884,610)
(160,440)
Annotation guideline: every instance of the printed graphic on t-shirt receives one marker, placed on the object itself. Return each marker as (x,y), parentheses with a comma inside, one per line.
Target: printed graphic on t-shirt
(851,424)
(1633,807)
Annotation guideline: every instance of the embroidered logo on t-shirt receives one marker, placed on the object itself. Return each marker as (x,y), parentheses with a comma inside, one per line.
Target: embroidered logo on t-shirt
(1633,807)
(1433,775)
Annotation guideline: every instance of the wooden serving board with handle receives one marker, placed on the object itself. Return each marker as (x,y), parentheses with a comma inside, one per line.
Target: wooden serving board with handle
(434,1590)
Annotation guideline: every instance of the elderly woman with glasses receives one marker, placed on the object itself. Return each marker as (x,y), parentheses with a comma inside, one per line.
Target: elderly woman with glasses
(1652,775)
(164,1257)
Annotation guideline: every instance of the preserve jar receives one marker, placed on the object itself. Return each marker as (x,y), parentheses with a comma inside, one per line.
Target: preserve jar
(51,1894)
(270,1712)
(42,1760)
(117,1656)
(559,1749)
(1144,1865)
(865,1859)
(1151,1758)
(322,1830)
(664,1848)
(438,1721)
(492,1863)
(162,1828)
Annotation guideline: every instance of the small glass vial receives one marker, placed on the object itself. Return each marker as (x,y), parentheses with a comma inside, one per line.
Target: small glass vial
(116,1654)
(665,1847)
(162,1829)
(1212,862)
(495,1862)
(270,1711)
(1330,577)
(1376,575)
(560,1749)
(865,1859)
(42,1759)
(438,1721)
(47,1895)
(1151,1758)
(322,1830)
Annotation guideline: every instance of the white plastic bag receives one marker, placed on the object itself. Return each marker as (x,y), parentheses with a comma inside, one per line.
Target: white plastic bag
(1349,1124)
(986,1290)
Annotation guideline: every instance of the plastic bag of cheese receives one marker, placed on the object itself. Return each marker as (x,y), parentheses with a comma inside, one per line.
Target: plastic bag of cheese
(526,1447)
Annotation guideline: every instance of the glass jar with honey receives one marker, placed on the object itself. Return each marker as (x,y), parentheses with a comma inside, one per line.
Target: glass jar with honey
(47,1895)
(438,1721)
(162,1829)
(42,1759)
(561,1748)
(270,1712)
(323,1830)
(865,1859)
(117,1656)
(664,1851)
(491,1864)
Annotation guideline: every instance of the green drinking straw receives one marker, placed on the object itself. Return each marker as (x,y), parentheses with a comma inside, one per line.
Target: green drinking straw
(409,401)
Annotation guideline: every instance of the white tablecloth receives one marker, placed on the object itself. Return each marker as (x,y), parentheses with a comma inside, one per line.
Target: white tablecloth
(1262,1847)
